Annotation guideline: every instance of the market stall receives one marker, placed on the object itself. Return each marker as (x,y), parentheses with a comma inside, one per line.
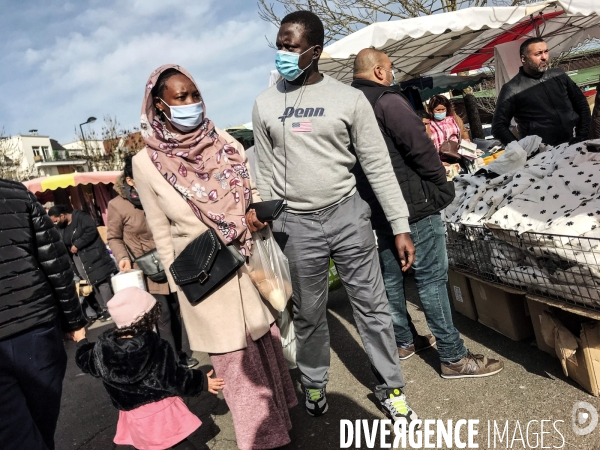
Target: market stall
(88,191)
(523,239)
(464,40)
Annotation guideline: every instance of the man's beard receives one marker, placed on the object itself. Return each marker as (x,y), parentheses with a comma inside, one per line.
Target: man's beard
(541,68)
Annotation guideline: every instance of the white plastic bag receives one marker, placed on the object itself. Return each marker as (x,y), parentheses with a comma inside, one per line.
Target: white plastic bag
(269,269)
(513,158)
(288,337)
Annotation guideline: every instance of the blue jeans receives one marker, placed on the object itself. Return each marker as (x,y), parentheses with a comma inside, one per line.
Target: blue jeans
(431,276)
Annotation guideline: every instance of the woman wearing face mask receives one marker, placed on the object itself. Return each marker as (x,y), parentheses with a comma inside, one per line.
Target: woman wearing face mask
(192,176)
(445,124)
(129,237)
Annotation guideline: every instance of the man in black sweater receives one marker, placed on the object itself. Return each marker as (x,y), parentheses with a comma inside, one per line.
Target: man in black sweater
(543,101)
(37,293)
(422,179)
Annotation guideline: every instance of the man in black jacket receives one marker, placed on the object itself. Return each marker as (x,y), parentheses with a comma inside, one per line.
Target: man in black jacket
(92,260)
(36,293)
(422,178)
(543,101)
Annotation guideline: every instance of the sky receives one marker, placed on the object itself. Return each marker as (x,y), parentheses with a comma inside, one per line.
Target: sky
(64,61)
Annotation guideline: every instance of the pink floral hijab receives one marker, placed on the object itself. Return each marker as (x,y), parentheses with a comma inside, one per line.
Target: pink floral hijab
(204,169)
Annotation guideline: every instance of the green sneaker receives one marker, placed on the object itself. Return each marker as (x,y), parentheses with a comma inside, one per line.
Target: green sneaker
(395,407)
(316,402)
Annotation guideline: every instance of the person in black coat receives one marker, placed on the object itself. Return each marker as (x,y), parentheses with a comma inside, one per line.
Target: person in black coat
(422,178)
(37,299)
(543,101)
(90,255)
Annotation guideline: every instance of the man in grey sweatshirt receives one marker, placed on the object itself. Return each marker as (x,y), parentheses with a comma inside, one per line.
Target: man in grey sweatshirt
(309,130)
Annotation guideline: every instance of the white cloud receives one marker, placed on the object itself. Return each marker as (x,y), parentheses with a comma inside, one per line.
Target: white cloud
(32,56)
(99,64)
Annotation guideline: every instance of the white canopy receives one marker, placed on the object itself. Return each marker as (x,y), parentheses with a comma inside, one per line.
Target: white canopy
(464,40)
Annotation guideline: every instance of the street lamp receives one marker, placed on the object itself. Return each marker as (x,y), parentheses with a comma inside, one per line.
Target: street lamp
(90,120)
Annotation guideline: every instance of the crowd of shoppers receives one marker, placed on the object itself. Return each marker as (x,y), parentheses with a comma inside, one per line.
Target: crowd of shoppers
(350,162)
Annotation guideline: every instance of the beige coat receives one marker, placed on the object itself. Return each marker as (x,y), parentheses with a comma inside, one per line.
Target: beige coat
(217,324)
(127,228)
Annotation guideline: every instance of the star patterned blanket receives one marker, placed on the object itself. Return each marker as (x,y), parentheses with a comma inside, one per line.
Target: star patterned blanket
(541,206)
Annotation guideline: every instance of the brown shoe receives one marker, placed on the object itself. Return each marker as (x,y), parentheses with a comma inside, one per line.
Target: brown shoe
(472,366)
(420,343)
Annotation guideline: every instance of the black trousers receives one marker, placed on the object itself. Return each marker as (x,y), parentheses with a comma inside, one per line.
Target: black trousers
(170,324)
(166,322)
(32,369)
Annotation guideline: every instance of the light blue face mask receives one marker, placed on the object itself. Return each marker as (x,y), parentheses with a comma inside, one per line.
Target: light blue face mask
(286,64)
(393,83)
(185,117)
(439,116)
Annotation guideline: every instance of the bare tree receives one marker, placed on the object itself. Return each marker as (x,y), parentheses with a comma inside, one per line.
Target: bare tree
(107,150)
(11,158)
(343,17)
(487,101)
(13,165)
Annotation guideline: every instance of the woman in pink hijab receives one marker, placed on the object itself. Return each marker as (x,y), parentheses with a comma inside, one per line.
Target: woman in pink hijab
(192,176)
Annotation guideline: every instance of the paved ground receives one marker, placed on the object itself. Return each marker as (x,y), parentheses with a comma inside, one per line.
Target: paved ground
(531,387)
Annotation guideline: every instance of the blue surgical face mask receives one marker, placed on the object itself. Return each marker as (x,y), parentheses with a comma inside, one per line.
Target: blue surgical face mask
(439,116)
(286,64)
(185,117)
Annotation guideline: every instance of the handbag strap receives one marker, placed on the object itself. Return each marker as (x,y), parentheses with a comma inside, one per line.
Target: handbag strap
(440,129)
(129,252)
(444,132)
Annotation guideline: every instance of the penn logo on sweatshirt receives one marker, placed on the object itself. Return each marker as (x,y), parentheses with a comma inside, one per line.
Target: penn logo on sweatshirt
(300,113)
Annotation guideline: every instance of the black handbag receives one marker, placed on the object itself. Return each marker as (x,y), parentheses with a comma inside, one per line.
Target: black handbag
(150,264)
(204,265)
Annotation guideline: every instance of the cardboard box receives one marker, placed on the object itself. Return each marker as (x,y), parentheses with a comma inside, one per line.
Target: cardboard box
(462,297)
(536,309)
(585,369)
(579,357)
(503,309)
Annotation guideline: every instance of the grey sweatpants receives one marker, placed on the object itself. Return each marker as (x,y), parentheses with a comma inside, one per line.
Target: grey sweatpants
(342,232)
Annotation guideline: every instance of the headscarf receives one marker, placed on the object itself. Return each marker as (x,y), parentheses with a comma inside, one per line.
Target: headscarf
(202,167)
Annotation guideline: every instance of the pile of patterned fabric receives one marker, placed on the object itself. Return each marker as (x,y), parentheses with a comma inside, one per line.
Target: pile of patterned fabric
(532,218)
